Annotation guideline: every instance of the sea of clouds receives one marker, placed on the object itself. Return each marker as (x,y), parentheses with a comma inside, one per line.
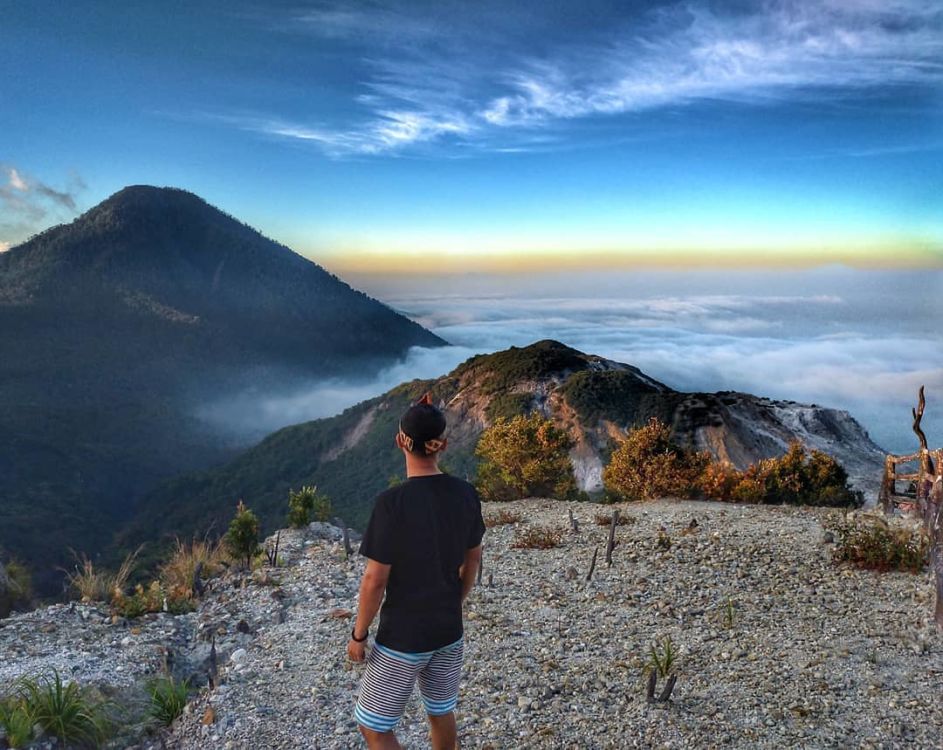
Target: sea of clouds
(861,340)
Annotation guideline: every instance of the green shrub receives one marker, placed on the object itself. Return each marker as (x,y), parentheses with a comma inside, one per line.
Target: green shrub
(307,505)
(647,465)
(526,456)
(168,699)
(242,539)
(65,711)
(874,544)
(152,598)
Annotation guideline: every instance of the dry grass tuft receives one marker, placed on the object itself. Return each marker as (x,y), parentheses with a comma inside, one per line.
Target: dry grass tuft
(501,518)
(99,585)
(537,537)
(176,575)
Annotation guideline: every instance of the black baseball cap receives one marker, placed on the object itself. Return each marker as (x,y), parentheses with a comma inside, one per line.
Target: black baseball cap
(422,422)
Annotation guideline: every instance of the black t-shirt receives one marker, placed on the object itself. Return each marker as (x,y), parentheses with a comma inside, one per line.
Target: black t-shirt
(422,528)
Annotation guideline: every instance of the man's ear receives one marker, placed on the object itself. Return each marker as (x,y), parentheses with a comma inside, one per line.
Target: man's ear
(445,444)
(398,439)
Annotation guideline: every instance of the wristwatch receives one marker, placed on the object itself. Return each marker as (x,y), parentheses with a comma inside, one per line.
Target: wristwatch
(353,635)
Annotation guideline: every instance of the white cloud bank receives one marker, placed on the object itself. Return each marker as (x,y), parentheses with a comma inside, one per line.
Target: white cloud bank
(858,340)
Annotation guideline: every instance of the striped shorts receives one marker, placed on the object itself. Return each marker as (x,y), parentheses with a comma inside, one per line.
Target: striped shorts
(390,677)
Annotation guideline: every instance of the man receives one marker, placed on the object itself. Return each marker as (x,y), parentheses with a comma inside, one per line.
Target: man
(423,549)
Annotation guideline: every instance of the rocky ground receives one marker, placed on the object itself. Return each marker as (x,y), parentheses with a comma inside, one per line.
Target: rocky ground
(777,646)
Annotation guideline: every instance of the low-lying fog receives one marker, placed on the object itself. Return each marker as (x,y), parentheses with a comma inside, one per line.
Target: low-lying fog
(862,340)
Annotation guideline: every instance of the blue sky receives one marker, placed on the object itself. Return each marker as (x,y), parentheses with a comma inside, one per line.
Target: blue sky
(493,135)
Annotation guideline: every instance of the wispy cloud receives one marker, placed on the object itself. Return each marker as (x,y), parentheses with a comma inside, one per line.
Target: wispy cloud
(26,203)
(476,83)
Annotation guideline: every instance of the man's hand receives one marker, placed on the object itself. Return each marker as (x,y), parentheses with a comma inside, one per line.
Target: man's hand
(355,650)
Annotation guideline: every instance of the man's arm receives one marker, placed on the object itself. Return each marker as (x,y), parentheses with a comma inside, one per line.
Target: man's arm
(469,569)
(372,587)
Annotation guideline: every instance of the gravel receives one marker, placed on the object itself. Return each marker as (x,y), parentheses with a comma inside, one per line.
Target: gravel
(777,646)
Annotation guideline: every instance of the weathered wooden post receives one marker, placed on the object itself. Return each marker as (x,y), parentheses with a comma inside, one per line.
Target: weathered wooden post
(348,550)
(481,567)
(611,545)
(197,587)
(592,565)
(935,532)
(886,498)
(573,523)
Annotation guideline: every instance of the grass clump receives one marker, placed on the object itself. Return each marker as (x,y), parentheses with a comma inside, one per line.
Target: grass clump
(537,537)
(62,710)
(874,544)
(178,573)
(662,656)
(168,699)
(16,722)
(93,584)
(501,518)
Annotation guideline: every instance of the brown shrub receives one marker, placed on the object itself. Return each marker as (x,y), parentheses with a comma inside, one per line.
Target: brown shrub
(537,537)
(501,518)
(602,519)
(874,544)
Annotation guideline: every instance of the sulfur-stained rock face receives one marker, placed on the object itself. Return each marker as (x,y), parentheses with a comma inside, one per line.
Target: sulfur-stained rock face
(351,457)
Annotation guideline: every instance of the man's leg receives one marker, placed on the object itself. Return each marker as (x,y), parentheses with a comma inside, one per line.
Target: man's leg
(387,683)
(380,740)
(442,731)
(438,684)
